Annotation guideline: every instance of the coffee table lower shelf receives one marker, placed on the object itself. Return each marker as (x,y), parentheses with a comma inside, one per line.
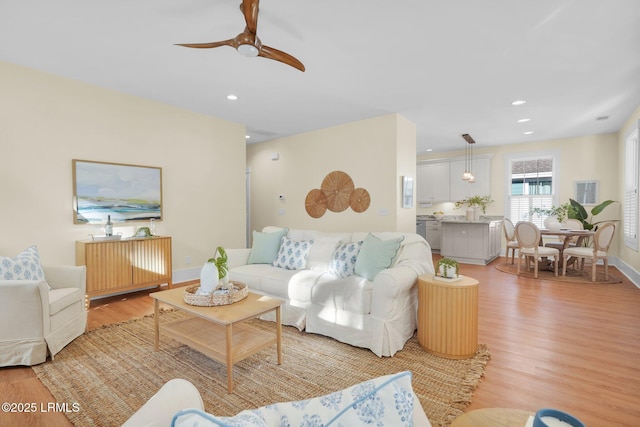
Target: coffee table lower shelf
(210,339)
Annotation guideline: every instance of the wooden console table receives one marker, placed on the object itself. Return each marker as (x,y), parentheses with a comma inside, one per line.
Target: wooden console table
(124,265)
(448,316)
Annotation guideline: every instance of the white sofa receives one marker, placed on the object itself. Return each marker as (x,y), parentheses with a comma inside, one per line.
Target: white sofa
(40,317)
(374,307)
(388,401)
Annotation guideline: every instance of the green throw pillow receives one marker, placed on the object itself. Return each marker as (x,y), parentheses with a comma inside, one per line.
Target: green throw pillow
(266,246)
(376,255)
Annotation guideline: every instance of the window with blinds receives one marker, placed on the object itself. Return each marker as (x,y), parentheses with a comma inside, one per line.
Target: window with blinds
(531,186)
(630,211)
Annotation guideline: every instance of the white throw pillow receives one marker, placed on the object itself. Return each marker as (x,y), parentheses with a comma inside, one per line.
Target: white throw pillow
(25,266)
(293,254)
(344,259)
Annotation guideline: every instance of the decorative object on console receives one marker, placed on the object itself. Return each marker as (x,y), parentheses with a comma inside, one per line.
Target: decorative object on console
(135,192)
(336,193)
(448,267)
(143,232)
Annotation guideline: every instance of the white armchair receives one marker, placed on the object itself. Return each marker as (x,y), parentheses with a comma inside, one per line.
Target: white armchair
(35,320)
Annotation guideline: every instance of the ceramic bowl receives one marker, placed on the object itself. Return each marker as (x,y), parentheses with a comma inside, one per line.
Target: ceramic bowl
(555,418)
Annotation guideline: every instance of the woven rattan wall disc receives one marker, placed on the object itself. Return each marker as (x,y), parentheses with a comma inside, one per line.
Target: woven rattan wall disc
(359,200)
(315,203)
(337,187)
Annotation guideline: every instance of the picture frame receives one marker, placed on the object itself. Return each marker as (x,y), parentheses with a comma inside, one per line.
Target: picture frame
(587,192)
(407,192)
(122,191)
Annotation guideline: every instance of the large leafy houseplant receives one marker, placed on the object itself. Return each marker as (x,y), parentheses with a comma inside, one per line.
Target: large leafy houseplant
(578,212)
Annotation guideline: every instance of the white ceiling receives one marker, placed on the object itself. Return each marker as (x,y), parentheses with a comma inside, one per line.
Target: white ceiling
(449,66)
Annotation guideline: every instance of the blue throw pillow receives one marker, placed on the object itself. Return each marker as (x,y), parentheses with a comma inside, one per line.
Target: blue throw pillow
(376,255)
(25,266)
(265,246)
(344,259)
(293,254)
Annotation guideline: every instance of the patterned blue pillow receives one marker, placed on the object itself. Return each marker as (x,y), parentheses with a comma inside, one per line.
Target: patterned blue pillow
(26,266)
(293,254)
(381,402)
(344,259)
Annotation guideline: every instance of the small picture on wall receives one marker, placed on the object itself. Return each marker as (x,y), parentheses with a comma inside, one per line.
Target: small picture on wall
(124,192)
(407,192)
(586,192)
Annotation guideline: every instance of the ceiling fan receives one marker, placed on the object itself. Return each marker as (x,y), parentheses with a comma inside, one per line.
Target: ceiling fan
(247,42)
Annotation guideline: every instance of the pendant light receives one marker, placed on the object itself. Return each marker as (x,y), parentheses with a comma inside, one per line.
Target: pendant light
(468,159)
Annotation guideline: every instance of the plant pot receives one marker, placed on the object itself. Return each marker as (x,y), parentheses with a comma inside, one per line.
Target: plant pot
(449,273)
(208,278)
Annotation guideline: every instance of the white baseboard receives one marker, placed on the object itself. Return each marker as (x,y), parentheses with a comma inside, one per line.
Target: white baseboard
(186,275)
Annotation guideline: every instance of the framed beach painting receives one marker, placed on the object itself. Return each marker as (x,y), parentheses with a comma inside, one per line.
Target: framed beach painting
(125,192)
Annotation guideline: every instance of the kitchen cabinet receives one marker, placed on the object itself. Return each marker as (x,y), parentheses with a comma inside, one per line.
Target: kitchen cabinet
(125,265)
(432,182)
(471,242)
(441,180)
(433,234)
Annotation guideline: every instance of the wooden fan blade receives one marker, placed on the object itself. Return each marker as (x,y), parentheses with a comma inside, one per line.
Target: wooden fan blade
(208,45)
(249,9)
(278,55)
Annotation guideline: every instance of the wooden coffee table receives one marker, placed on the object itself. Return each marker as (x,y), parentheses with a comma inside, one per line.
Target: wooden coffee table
(207,327)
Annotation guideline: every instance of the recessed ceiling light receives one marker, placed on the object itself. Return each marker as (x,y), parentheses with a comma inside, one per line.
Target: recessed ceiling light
(524,120)
(232,97)
(247,137)
(529,132)
(518,102)
(429,149)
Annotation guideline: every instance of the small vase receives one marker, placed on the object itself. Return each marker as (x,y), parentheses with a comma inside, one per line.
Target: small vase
(208,278)
(476,213)
(470,214)
(551,223)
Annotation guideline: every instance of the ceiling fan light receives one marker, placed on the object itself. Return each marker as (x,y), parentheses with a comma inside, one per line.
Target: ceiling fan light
(248,50)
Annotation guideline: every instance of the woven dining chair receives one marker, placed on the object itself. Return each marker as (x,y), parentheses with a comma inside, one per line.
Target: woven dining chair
(528,237)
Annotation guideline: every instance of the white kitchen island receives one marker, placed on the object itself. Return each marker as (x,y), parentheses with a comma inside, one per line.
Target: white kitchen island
(471,242)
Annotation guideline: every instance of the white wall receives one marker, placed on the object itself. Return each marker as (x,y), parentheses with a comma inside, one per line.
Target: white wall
(375,153)
(46,121)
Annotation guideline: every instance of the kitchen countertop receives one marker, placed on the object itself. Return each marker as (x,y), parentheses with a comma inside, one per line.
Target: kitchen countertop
(459,218)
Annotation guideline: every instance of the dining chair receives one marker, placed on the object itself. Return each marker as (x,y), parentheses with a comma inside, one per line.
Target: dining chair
(510,235)
(528,237)
(601,242)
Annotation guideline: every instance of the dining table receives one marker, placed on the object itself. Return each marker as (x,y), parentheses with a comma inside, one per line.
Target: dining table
(568,235)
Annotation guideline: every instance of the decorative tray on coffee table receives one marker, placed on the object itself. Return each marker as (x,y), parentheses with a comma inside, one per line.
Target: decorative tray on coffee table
(236,291)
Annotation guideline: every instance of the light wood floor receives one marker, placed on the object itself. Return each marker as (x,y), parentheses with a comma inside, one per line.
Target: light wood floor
(574,347)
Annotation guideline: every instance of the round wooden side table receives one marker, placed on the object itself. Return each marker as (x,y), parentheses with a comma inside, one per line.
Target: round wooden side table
(493,417)
(448,316)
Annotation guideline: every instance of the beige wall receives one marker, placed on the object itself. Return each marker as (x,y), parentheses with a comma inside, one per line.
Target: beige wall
(630,256)
(375,152)
(46,121)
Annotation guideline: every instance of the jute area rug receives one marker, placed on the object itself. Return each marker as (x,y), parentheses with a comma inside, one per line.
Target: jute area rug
(573,276)
(113,371)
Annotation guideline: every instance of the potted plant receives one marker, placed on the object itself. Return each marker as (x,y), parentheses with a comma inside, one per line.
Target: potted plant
(474,204)
(221,264)
(578,212)
(448,267)
(554,215)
